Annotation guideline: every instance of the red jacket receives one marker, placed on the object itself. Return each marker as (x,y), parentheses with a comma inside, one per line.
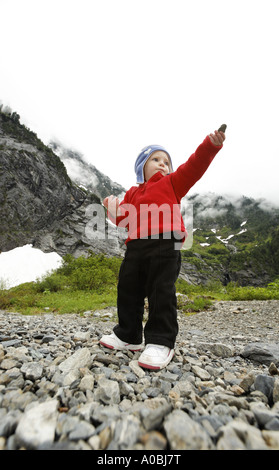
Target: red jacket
(154,206)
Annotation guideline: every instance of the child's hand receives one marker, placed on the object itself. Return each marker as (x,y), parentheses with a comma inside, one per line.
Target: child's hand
(217,138)
(112,204)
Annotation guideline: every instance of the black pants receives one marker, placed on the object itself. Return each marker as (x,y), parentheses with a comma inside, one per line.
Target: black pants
(149,269)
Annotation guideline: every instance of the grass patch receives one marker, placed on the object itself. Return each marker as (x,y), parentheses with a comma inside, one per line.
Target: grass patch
(193,305)
(235,292)
(232,291)
(25,299)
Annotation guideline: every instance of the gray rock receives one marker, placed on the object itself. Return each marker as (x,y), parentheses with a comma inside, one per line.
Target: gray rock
(12,342)
(9,363)
(231,400)
(247,381)
(32,370)
(276,390)
(37,425)
(81,358)
(103,413)
(87,383)
(273,424)
(265,384)
(263,415)
(126,433)
(271,438)
(108,392)
(183,388)
(201,373)
(125,388)
(212,423)
(218,349)
(237,435)
(82,430)
(152,419)
(183,433)
(262,353)
(17,399)
(9,422)
(48,338)
(136,369)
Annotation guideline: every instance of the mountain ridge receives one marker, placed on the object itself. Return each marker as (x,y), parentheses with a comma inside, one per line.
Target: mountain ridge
(238,238)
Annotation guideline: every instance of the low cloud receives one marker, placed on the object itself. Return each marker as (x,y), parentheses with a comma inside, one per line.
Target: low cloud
(77,172)
(211,212)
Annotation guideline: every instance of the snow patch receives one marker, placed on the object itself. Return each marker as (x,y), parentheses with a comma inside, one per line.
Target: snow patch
(225,240)
(242,231)
(26,264)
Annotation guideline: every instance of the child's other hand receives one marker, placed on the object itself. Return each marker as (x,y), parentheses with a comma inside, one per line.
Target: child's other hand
(217,138)
(112,203)
(105,202)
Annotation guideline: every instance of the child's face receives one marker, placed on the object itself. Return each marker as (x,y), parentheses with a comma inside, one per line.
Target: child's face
(158,161)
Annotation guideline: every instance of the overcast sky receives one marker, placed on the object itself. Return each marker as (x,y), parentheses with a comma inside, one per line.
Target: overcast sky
(108,77)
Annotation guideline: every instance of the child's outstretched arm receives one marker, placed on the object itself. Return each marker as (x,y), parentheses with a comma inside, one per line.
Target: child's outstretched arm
(192,170)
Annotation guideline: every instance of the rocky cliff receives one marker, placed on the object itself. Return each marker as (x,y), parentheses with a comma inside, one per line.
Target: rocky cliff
(39,203)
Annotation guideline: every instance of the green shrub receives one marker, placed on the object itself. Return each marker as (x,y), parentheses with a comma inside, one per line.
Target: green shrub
(52,283)
(274,286)
(199,302)
(235,292)
(96,272)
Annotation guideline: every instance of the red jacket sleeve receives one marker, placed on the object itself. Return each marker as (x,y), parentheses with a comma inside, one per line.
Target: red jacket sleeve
(190,172)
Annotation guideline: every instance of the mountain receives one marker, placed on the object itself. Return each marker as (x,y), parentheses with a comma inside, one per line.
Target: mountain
(40,204)
(234,239)
(50,197)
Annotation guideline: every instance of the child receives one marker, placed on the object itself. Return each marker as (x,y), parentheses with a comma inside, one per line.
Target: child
(152,261)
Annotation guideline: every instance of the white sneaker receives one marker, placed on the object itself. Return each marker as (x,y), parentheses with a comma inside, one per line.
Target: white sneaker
(113,342)
(155,356)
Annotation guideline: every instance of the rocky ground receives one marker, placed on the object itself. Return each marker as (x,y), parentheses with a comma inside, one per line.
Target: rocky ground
(59,389)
